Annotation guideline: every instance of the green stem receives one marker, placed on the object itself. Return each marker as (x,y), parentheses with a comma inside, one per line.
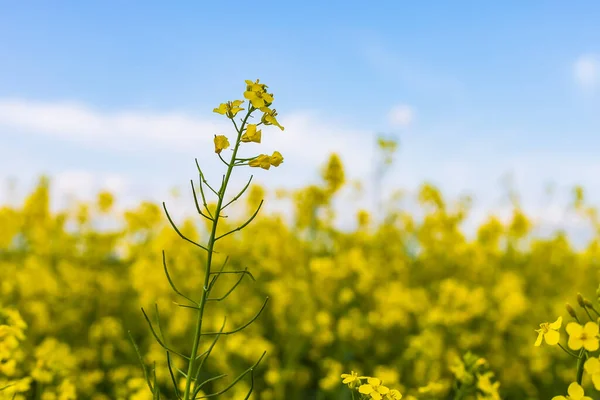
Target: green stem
(580,363)
(567,351)
(210,247)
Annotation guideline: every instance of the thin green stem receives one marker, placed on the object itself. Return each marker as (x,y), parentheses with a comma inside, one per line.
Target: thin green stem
(580,364)
(211,245)
(567,351)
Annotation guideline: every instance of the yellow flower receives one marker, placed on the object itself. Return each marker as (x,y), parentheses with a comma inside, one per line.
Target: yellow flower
(221,143)
(549,332)
(231,108)
(256,93)
(251,134)
(268,117)
(263,161)
(592,367)
(352,379)
(575,393)
(373,388)
(484,383)
(394,395)
(583,336)
(276,159)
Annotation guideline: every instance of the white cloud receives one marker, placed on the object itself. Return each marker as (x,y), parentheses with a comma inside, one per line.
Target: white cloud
(586,70)
(121,130)
(401,116)
(306,142)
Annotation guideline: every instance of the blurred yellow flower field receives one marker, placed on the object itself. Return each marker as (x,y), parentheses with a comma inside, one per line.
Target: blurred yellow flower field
(412,303)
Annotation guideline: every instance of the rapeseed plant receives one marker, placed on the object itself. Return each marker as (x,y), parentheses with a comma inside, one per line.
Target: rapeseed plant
(260,100)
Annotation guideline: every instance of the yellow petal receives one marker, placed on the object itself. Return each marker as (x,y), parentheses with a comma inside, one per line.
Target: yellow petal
(596,380)
(375,396)
(374,381)
(573,328)
(552,337)
(575,391)
(592,365)
(556,324)
(538,341)
(365,389)
(591,344)
(591,329)
(574,343)
(559,398)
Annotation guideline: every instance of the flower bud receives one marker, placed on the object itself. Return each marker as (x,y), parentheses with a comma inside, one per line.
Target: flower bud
(588,303)
(580,300)
(571,311)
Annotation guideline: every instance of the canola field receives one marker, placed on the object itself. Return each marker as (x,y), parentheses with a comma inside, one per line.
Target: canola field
(406,308)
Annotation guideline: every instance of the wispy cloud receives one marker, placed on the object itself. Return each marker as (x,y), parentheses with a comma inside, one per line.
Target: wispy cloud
(586,71)
(401,116)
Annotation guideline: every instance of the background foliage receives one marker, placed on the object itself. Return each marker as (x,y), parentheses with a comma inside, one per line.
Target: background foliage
(400,300)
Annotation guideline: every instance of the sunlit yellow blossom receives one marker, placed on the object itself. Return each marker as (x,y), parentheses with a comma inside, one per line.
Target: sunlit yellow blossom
(231,108)
(373,388)
(549,332)
(256,93)
(252,134)
(263,161)
(276,159)
(255,85)
(352,379)
(583,336)
(221,143)
(575,393)
(269,117)
(592,367)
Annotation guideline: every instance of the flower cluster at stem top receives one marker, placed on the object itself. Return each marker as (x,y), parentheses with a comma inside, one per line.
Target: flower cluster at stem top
(259,99)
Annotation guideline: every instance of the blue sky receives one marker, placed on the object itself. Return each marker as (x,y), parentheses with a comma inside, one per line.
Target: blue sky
(119,94)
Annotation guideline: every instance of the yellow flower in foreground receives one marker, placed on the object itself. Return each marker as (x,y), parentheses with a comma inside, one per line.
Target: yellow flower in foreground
(231,108)
(256,93)
(263,161)
(575,393)
(549,332)
(352,379)
(276,159)
(252,134)
(394,395)
(373,388)
(221,143)
(583,336)
(268,117)
(592,367)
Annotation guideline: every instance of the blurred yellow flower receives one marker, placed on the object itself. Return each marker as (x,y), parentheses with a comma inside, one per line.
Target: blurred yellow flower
(263,161)
(269,117)
(583,336)
(276,159)
(352,379)
(251,134)
(256,93)
(221,143)
(592,367)
(373,388)
(231,108)
(394,395)
(575,393)
(549,332)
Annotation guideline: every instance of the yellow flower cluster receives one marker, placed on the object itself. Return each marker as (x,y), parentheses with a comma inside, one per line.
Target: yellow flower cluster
(259,99)
(372,388)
